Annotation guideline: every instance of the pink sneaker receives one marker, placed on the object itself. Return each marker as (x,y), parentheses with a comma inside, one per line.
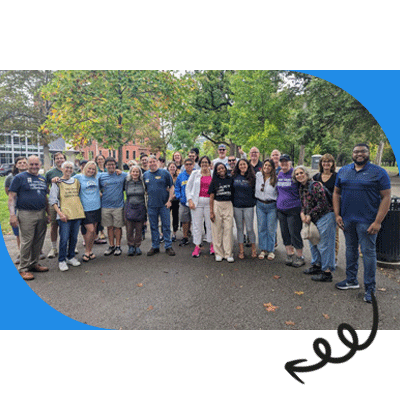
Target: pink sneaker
(212,252)
(196,252)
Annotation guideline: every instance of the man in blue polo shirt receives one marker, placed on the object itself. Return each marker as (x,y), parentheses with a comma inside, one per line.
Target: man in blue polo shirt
(361,200)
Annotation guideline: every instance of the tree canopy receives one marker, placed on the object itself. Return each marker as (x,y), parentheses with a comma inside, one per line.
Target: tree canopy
(294,112)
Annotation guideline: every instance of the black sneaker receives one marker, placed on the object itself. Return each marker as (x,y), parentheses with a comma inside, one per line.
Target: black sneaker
(117,251)
(184,242)
(247,241)
(323,277)
(161,238)
(153,251)
(109,251)
(131,251)
(173,238)
(314,270)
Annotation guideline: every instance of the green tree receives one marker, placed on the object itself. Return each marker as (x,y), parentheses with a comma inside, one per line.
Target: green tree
(259,110)
(22,109)
(109,106)
(209,101)
(324,108)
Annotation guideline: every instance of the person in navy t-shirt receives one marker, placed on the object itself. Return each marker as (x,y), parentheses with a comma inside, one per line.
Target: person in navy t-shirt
(30,190)
(361,200)
(160,190)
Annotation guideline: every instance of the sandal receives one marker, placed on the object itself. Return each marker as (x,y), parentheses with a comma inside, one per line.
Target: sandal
(261,256)
(241,255)
(85,258)
(100,241)
(253,251)
(92,256)
(271,256)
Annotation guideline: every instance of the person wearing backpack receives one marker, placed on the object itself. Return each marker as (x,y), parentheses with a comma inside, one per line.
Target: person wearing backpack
(317,209)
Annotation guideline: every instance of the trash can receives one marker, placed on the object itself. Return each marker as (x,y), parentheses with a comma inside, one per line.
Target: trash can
(388,239)
(315,161)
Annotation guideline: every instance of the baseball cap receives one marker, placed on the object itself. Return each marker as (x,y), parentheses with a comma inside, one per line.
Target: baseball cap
(284,157)
(222,146)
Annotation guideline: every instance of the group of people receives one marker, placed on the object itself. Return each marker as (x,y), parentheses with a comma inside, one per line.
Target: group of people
(206,197)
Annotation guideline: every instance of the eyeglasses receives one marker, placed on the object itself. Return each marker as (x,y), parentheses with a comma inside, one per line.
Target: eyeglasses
(262,187)
(221,149)
(232,160)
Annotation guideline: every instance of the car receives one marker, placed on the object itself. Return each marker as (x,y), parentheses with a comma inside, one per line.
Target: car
(5,169)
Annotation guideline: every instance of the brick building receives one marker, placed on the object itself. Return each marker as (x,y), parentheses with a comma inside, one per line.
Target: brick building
(131,151)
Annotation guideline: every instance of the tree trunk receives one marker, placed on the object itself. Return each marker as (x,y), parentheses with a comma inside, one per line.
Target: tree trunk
(120,162)
(46,157)
(232,147)
(301,154)
(379,153)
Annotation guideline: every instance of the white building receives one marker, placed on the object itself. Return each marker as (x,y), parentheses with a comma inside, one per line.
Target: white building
(13,145)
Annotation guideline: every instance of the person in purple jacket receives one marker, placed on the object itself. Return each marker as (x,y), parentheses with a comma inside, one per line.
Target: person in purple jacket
(289,208)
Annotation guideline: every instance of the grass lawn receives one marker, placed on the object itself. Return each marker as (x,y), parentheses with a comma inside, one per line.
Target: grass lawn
(4,215)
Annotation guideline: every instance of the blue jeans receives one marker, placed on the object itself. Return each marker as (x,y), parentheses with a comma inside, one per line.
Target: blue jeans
(356,233)
(68,238)
(323,253)
(267,221)
(165,215)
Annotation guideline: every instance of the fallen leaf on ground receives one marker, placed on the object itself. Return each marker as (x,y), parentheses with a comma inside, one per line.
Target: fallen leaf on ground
(289,323)
(298,308)
(140,284)
(150,308)
(382,289)
(326,316)
(269,307)
(102,281)
(299,293)
(276,276)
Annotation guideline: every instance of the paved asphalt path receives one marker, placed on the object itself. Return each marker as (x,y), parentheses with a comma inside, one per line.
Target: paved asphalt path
(163,292)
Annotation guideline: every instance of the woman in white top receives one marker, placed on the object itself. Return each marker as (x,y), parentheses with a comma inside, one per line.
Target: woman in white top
(198,200)
(266,196)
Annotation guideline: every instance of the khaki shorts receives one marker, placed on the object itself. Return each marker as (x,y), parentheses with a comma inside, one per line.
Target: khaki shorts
(53,216)
(112,217)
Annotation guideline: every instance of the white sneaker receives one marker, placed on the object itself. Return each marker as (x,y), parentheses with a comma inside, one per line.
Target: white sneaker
(76,250)
(230,259)
(63,266)
(52,253)
(218,258)
(74,262)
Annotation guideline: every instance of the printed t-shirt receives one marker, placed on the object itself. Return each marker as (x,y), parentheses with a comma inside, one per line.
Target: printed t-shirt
(31,191)
(90,192)
(222,188)
(157,184)
(243,193)
(288,192)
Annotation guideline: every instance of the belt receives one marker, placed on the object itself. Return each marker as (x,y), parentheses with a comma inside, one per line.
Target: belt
(267,201)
